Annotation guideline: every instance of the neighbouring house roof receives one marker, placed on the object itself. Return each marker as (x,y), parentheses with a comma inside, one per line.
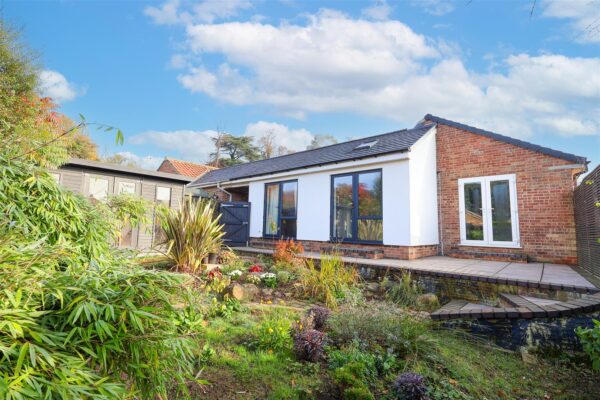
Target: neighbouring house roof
(186,168)
(102,166)
(392,142)
(506,139)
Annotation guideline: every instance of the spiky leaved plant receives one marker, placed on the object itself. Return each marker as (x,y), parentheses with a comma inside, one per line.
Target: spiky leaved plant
(191,233)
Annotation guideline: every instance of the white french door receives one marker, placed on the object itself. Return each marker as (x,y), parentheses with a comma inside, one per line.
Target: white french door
(488,211)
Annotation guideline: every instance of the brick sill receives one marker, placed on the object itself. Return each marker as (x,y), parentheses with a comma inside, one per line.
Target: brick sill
(490,245)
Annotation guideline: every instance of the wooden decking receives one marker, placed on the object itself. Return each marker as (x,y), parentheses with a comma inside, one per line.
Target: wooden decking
(534,275)
(523,307)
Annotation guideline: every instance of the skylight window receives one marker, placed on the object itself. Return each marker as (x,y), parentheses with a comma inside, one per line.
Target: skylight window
(366,145)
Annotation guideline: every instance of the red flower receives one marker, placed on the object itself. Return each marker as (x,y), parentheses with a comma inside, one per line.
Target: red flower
(255,268)
(214,273)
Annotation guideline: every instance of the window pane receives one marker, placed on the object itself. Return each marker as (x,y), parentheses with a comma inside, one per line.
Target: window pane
(288,228)
(370,229)
(272,209)
(289,199)
(369,194)
(343,206)
(98,188)
(163,195)
(127,187)
(473,211)
(501,216)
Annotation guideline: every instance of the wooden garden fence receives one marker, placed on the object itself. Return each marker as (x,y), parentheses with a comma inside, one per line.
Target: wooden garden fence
(587,220)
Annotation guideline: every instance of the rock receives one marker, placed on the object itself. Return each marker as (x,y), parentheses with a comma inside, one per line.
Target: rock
(240,292)
(210,267)
(268,292)
(372,286)
(427,301)
(527,357)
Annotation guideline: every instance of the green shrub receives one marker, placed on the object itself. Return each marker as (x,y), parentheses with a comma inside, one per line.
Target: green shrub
(273,333)
(191,233)
(590,339)
(33,205)
(405,292)
(79,331)
(376,326)
(329,282)
(285,277)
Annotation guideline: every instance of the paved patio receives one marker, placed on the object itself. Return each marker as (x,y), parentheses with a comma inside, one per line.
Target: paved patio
(539,275)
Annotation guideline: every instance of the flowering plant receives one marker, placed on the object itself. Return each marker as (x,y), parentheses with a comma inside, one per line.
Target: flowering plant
(235,274)
(255,268)
(269,279)
(215,273)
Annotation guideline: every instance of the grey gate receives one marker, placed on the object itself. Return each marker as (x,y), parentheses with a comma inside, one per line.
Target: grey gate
(235,216)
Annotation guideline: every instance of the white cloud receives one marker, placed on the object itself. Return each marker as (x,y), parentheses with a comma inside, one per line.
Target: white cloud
(174,12)
(189,145)
(379,11)
(147,162)
(196,146)
(292,139)
(335,63)
(583,14)
(54,84)
(435,7)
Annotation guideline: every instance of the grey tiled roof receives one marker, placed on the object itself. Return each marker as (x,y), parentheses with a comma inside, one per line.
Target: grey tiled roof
(516,142)
(393,142)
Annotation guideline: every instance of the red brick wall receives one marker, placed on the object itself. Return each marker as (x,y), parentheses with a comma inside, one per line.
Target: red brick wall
(544,197)
(396,252)
(166,166)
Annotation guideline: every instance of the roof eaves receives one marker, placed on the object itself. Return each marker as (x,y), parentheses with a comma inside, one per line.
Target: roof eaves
(507,139)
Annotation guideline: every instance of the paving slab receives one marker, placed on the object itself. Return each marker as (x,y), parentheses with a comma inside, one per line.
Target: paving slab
(522,272)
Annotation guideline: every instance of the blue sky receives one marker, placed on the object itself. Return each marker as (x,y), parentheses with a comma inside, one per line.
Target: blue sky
(169,73)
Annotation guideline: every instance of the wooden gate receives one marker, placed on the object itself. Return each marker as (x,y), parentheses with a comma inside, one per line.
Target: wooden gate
(235,216)
(587,220)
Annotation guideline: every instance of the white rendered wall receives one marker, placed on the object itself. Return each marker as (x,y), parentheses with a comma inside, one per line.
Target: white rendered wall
(423,192)
(314,200)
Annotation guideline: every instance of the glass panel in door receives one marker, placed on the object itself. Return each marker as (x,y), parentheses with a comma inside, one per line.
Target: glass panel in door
(272,209)
(288,199)
(343,206)
(501,213)
(473,211)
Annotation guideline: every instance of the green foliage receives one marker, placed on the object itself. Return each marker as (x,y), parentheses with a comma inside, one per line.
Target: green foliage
(273,333)
(129,209)
(191,233)
(236,149)
(590,339)
(405,292)
(72,330)
(378,327)
(329,282)
(33,205)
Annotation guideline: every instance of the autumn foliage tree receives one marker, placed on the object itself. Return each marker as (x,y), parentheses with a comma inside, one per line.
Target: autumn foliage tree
(30,125)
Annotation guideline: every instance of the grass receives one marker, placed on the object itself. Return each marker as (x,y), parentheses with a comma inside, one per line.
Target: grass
(456,365)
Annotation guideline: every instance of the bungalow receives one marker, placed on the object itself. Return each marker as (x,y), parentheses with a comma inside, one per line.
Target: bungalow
(441,187)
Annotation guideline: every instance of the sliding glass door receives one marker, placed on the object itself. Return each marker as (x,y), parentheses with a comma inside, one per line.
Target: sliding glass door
(357,213)
(488,211)
(281,204)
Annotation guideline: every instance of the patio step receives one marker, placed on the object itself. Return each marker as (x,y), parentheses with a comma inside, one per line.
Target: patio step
(522,307)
